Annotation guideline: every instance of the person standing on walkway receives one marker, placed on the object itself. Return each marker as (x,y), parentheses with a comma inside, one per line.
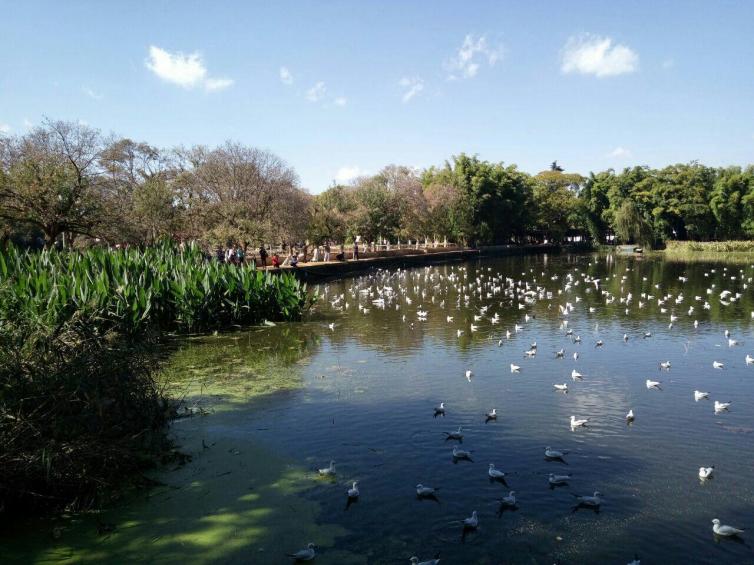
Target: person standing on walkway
(263,255)
(356,250)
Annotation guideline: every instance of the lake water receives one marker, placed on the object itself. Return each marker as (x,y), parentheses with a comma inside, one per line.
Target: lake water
(275,404)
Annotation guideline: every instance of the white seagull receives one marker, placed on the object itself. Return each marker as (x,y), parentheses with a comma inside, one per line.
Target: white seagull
(495,473)
(653,384)
(723,530)
(706,472)
(630,416)
(699,395)
(515,368)
(353,492)
(551,453)
(328,471)
(472,521)
(304,554)
(721,406)
(422,491)
(575,375)
(563,387)
(578,423)
(558,479)
(717,365)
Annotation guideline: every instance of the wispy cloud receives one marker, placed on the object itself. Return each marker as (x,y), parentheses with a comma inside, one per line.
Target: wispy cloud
(187,71)
(348,173)
(91,93)
(412,87)
(316,92)
(341,101)
(620,153)
(285,76)
(473,53)
(589,54)
(5,129)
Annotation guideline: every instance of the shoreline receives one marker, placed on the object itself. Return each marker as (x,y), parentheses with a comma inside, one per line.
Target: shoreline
(311,272)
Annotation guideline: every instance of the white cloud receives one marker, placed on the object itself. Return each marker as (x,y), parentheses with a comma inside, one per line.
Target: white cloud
(412,87)
(316,92)
(620,153)
(213,84)
(5,129)
(588,54)
(473,53)
(348,173)
(285,76)
(91,93)
(187,71)
(341,101)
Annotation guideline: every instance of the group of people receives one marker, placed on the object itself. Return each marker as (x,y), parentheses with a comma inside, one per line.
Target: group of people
(237,255)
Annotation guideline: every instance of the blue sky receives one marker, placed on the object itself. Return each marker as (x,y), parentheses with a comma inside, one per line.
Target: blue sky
(592,84)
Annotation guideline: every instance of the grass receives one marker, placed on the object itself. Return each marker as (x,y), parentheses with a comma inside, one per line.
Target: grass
(676,247)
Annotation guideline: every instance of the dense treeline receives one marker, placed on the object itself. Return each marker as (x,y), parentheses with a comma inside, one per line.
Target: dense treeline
(79,407)
(67,182)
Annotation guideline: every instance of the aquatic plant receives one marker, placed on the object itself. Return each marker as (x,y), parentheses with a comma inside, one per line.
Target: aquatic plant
(79,408)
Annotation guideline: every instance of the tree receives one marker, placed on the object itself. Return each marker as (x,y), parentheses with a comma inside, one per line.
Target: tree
(51,179)
(630,225)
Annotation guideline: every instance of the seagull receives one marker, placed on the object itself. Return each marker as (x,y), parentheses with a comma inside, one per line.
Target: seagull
(599,343)
(563,387)
(630,416)
(625,337)
(554,453)
(415,561)
(510,500)
(560,354)
(492,414)
(449,319)
(454,435)
(558,479)
(469,374)
(328,471)
(749,359)
(699,395)
(422,491)
(331,326)
(440,410)
(515,368)
(665,365)
(471,522)
(591,501)
(654,384)
(575,375)
(353,492)
(495,474)
(578,423)
(461,454)
(304,554)
(717,365)
(723,530)
(575,355)
(706,472)
(721,406)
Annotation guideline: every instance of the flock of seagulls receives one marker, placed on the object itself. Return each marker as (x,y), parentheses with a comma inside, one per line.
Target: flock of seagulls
(392,289)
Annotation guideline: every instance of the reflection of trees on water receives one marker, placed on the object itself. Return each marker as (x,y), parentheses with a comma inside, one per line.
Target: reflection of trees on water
(385,329)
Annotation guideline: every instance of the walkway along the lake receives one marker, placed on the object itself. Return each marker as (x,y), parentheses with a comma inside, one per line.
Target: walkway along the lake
(311,272)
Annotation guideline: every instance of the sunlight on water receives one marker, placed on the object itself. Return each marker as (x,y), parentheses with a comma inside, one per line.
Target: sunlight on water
(363,393)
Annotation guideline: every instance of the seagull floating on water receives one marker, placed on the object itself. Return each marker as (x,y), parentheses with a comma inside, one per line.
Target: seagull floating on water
(328,471)
(461,454)
(699,395)
(440,410)
(515,368)
(590,501)
(422,491)
(723,530)
(558,479)
(495,474)
(510,500)
(717,365)
(706,472)
(721,406)
(562,388)
(415,561)
(578,423)
(353,492)
(653,384)
(551,453)
(630,416)
(457,435)
(304,554)
(575,375)
(471,522)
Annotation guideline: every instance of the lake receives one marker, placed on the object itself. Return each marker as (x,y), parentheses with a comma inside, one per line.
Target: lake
(267,407)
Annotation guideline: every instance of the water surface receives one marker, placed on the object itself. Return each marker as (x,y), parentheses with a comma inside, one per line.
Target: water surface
(293,397)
